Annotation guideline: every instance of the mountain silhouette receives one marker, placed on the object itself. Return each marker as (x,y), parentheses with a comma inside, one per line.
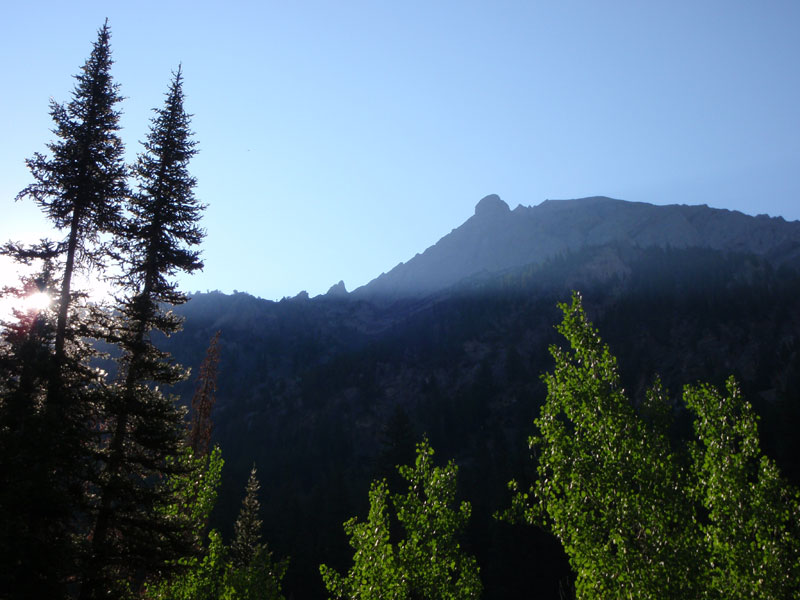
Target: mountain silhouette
(496,238)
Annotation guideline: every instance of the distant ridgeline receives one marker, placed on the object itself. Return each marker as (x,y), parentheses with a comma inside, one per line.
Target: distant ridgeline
(496,239)
(328,393)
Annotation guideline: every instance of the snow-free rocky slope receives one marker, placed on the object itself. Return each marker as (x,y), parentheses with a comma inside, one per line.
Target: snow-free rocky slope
(496,238)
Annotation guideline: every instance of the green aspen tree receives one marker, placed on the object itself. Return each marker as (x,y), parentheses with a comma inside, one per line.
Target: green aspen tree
(609,486)
(429,561)
(752,527)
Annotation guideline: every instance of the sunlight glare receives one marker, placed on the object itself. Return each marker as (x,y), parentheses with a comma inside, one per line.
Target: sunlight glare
(37,301)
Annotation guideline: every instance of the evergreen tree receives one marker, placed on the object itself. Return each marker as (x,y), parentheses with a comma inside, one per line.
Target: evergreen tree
(247,529)
(27,338)
(132,536)
(254,575)
(80,186)
(244,571)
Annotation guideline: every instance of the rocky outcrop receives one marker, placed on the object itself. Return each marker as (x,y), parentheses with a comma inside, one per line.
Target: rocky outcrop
(495,238)
(337,290)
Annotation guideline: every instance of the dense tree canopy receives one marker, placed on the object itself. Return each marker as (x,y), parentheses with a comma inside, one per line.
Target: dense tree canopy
(94,465)
(641,518)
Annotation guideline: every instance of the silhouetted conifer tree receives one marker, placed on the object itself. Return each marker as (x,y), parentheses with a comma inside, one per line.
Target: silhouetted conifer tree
(80,186)
(134,535)
(27,338)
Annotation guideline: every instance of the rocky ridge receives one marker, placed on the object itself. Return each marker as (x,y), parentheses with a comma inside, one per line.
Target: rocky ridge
(497,238)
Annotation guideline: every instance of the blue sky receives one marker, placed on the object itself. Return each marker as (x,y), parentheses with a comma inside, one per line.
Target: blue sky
(340,138)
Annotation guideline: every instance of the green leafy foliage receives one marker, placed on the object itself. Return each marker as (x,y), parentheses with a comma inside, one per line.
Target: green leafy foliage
(194,494)
(194,489)
(639,519)
(752,530)
(376,571)
(244,571)
(428,562)
(609,486)
(203,578)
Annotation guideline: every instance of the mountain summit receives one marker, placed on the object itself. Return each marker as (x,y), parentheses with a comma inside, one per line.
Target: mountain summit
(496,238)
(491,204)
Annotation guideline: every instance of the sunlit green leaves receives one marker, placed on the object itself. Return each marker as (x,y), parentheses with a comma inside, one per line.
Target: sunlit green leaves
(607,479)
(215,572)
(429,561)
(376,572)
(640,519)
(753,523)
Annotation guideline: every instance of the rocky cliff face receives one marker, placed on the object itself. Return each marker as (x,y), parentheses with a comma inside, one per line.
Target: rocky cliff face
(496,238)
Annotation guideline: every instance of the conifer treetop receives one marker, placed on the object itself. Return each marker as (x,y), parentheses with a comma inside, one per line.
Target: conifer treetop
(247,529)
(83,183)
(163,227)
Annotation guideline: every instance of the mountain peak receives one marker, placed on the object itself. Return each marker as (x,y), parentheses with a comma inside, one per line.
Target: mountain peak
(337,290)
(491,204)
(497,239)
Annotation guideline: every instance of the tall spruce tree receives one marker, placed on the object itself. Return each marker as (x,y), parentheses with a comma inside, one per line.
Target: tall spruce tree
(80,185)
(253,574)
(134,536)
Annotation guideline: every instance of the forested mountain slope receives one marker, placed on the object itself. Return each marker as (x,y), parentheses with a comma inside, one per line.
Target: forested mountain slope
(325,394)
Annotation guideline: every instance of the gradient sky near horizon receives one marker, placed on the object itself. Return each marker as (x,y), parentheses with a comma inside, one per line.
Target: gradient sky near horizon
(338,139)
